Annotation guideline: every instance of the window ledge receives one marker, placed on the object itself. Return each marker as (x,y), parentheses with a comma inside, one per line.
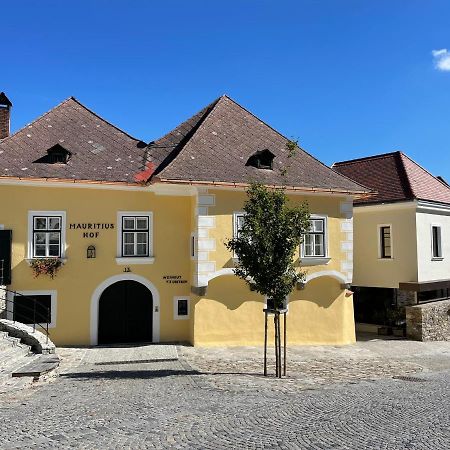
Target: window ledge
(30,260)
(385,259)
(135,260)
(315,261)
(437,258)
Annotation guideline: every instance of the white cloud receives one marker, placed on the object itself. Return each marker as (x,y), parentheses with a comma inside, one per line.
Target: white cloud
(441,59)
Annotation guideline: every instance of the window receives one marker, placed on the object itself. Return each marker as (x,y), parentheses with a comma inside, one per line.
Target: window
(385,242)
(437,294)
(33,307)
(436,241)
(46,241)
(181,308)
(55,155)
(135,236)
(238,220)
(314,242)
(262,159)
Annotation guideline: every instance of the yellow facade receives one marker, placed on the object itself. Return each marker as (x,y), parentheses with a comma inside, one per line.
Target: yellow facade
(222,309)
(370,268)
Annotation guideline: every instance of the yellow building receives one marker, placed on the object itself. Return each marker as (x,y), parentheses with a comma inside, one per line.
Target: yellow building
(140,229)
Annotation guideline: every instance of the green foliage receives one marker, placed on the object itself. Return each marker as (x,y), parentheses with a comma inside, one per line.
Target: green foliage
(292,147)
(266,245)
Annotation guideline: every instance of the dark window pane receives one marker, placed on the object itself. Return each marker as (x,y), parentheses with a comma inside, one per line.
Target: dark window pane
(385,242)
(27,311)
(183,307)
(436,237)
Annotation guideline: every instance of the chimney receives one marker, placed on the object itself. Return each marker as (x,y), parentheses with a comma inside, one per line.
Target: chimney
(5,110)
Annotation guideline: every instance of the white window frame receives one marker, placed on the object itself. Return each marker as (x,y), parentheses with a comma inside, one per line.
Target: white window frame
(236,214)
(312,260)
(380,250)
(129,260)
(441,255)
(53,304)
(175,307)
(30,245)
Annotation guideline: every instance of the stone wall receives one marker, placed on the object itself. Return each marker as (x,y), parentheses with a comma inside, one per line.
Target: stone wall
(406,298)
(429,322)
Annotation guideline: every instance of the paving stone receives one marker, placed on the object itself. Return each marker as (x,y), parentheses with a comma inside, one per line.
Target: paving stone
(172,404)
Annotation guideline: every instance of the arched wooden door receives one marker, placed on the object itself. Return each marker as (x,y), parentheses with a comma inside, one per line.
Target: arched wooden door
(125,313)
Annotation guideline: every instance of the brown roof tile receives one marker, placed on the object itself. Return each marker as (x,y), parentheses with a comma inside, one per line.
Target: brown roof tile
(225,136)
(212,146)
(99,151)
(395,177)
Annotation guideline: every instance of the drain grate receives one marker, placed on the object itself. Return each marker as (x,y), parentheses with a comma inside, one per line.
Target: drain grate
(413,379)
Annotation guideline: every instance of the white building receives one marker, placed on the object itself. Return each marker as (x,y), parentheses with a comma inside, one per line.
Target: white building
(401,236)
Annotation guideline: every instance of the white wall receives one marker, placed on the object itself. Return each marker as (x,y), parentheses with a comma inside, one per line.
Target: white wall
(430,269)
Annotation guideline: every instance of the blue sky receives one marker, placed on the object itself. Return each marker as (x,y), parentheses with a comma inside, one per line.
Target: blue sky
(348,78)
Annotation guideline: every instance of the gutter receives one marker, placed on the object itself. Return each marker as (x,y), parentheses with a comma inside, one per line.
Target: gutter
(246,185)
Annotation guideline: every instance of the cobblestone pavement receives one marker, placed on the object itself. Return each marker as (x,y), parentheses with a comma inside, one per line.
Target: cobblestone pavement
(170,404)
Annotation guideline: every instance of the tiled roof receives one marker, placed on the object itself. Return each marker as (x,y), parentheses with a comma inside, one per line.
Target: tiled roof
(212,146)
(98,150)
(219,141)
(395,177)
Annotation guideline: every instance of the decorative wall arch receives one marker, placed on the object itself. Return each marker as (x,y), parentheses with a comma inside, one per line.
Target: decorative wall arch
(219,273)
(326,273)
(309,277)
(95,299)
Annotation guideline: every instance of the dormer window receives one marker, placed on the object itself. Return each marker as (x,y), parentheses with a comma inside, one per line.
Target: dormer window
(58,155)
(55,155)
(262,159)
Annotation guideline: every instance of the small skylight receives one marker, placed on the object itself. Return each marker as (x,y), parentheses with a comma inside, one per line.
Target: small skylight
(262,159)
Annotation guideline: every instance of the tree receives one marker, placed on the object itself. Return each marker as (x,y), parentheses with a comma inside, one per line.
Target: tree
(265,246)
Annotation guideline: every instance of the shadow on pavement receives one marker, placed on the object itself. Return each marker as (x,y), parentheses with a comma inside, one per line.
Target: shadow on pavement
(146,374)
(129,374)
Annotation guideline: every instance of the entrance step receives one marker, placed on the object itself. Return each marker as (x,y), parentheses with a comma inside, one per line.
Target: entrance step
(40,365)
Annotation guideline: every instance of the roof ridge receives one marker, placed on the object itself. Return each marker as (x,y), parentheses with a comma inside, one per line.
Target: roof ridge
(403,155)
(35,120)
(209,109)
(103,119)
(408,189)
(289,140)
(366,158)
(184,121)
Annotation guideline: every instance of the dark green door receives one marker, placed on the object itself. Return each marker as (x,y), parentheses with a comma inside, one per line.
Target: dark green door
(125,313)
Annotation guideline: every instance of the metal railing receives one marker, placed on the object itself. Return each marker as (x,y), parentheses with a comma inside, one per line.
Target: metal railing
(32,316)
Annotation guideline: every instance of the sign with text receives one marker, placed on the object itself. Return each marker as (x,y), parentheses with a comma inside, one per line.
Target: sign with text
(174,279)
(91,226)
